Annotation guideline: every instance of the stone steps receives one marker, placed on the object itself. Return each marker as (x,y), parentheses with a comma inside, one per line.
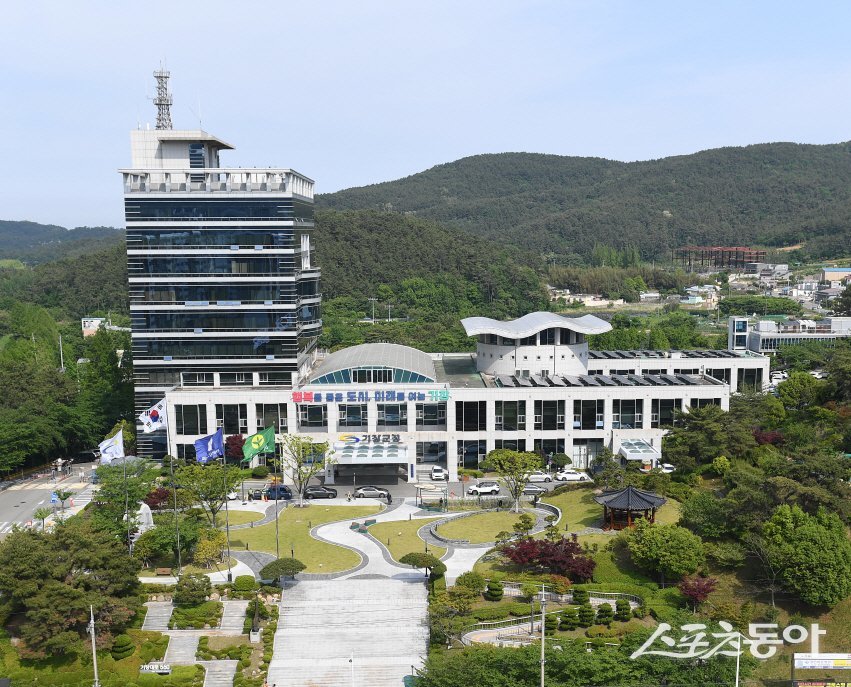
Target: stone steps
(158,615)
(181,649)
(219,673)
(233,615)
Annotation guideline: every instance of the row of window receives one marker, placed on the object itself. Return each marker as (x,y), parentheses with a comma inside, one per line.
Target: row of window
(553,336)
(253,347)
(217,209)
(210,238)
(204,264)
(549,415)
(269,293)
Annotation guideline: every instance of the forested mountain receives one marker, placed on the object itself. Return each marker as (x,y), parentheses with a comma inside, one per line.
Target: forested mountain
(774,194)
(34,243)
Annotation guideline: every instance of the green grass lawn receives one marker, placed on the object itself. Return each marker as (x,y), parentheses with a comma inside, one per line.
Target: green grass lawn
(294,526)
(186,569)
(239,517)
(480,528)
(402,537)
(579,509)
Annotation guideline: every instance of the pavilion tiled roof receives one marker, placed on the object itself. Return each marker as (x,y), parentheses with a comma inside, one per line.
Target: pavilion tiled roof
(630,499)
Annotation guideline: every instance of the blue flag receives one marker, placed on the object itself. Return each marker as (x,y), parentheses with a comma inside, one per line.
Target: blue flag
(210,447)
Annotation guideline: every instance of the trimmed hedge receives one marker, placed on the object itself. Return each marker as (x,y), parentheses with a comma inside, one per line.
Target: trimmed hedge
(122,647)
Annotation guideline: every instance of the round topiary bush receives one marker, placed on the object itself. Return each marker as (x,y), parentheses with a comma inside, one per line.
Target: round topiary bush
(260,472)
(580,596)
(122,647)
(494,591)
(244,583)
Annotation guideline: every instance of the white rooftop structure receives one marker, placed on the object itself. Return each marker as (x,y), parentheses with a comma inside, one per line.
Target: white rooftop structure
(533,323)
(395,359)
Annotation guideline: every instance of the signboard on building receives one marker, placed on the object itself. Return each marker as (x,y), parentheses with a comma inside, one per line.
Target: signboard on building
(352,439)
(158,668)
(822,661)
(380,396)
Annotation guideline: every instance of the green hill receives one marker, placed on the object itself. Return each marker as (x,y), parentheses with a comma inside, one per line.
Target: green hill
(33,243)
(774,194)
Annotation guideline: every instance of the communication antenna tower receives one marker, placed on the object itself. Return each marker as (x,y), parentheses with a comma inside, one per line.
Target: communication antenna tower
(163,99)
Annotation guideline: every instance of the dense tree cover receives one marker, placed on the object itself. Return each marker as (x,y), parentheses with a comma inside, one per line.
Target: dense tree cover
(122,488)
(572,666)
(33,243)
(557,556)
(778,194)
(617,282)
(676,330)
(669,550)
(45,410)
(49,579)
(760,305)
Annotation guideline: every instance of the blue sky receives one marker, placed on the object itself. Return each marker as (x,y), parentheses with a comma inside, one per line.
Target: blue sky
(356,93)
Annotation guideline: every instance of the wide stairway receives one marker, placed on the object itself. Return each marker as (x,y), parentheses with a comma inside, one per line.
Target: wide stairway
(342,633)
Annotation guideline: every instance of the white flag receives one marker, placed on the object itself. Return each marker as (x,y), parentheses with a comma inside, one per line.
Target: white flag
(154,418)
(112,448)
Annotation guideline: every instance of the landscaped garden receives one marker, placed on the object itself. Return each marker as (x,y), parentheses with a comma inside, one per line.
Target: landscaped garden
(294,525)
(241,517)
(480,528)
(400,537)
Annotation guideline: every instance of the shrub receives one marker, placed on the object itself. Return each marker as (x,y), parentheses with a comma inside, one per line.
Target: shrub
(561,557)
(283,567)
(153,650)
(604,614)
(191,590)
(196,617)
(639,612)
(490,613)
(260,472)
(494,591)
(622,610)
(580,596)
(559,584)
(467,472)
(586,615)
(570,619)
(244,583)
(122,647)
(550,624)
(472,581)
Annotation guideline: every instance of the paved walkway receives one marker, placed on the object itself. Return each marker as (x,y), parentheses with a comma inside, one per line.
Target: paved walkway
(182,647)
(233,615)
(219,673)
(218,577)
(358,632)
(158,615)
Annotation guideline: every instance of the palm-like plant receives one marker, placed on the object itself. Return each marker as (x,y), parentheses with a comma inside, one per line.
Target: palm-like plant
(63,495)
(42,514)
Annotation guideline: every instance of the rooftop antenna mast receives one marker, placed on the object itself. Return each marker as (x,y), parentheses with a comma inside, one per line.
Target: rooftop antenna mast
(163,99)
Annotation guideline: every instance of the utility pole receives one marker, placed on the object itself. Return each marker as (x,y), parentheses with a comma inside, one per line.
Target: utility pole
(96,683)
(227,513)
(176,521)
(61,356)
(372,300)
(543,622)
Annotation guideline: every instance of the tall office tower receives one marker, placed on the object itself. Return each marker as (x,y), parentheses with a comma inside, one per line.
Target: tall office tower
(224,291)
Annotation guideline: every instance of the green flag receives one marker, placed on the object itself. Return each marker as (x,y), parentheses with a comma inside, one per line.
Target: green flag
(262,442)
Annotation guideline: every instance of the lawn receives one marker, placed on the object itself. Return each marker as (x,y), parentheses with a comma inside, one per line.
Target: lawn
(240,517)
(186,569)
(579,509)
(400,537)
(294,525)
(480,528)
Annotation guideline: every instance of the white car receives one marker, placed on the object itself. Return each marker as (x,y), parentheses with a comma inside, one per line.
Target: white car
(572,476)
(487,487)
(438,474)
(233,496)
(539,476)
(667,468)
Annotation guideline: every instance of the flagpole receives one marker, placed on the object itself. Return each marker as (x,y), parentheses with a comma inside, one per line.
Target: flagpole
(277,493)
(227,511)
(173,485)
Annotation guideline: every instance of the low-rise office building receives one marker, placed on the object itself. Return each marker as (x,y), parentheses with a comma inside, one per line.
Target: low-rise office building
(532,384)
(767,336)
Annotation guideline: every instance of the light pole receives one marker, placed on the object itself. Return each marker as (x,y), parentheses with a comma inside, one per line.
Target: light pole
(543,622)
(96,683)
(227,513)
(176,521)
(372,300)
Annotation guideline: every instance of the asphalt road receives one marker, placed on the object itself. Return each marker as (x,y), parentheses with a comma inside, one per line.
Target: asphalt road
(19,501)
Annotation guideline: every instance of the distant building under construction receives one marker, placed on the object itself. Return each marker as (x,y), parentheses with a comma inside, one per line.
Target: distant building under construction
(703,258)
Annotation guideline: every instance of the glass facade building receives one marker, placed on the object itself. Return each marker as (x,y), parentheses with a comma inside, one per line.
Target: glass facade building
(221,274)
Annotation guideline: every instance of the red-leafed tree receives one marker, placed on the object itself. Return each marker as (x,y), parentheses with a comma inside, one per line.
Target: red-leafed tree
(233,446)
(560,557)
(158,498)
(697,588)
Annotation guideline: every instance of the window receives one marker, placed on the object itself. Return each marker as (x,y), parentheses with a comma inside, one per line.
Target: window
(392,415)
(585,451)
(232,418)
(549,337)
(549,415)
(749,379)
(662,411)
(470,416)
(588,414)
(271,415)
(312,415)
(353,415)
(190,419)
(368,375)
(740,340)
(431,415)
(471,453)
(720,373)
(275,378)
(510,416)
(235,379)
(186,451)
(741,326)
(197,378)
(627,413)
(510,444)
(703,402)
(546,448)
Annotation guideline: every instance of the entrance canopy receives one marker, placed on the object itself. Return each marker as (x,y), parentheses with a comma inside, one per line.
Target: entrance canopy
(638,449)
(376,454)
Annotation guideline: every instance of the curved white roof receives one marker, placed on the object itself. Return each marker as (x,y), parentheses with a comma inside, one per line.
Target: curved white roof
(378,355)
(533,323)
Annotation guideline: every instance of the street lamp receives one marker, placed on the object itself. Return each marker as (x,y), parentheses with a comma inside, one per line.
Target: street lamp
(227,513)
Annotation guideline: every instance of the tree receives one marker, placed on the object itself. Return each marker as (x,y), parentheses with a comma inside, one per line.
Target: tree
(705,514)
(697,588)
(586,615)
(191,589)
(123,484)
(209,550)
(670,550)
(42,514)
(702,434)
(563,557)
(605,614)
(812,553)
(303,459)
(800,391)
(472,581)
(283,567)
(49,579)
(233,446)
(525,523)
(208,485)
(63,495)
(841,305)
(623,611)
(570,618)
(514,468)
(426,561)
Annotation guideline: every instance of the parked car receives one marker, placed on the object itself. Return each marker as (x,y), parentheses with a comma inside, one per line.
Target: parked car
(486,487)
(368,491)
(439,474)
(534,490)
(257,494)
(572,476)
(279,492)
(320,492)
(233,496)
(539,476)
(667,468)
